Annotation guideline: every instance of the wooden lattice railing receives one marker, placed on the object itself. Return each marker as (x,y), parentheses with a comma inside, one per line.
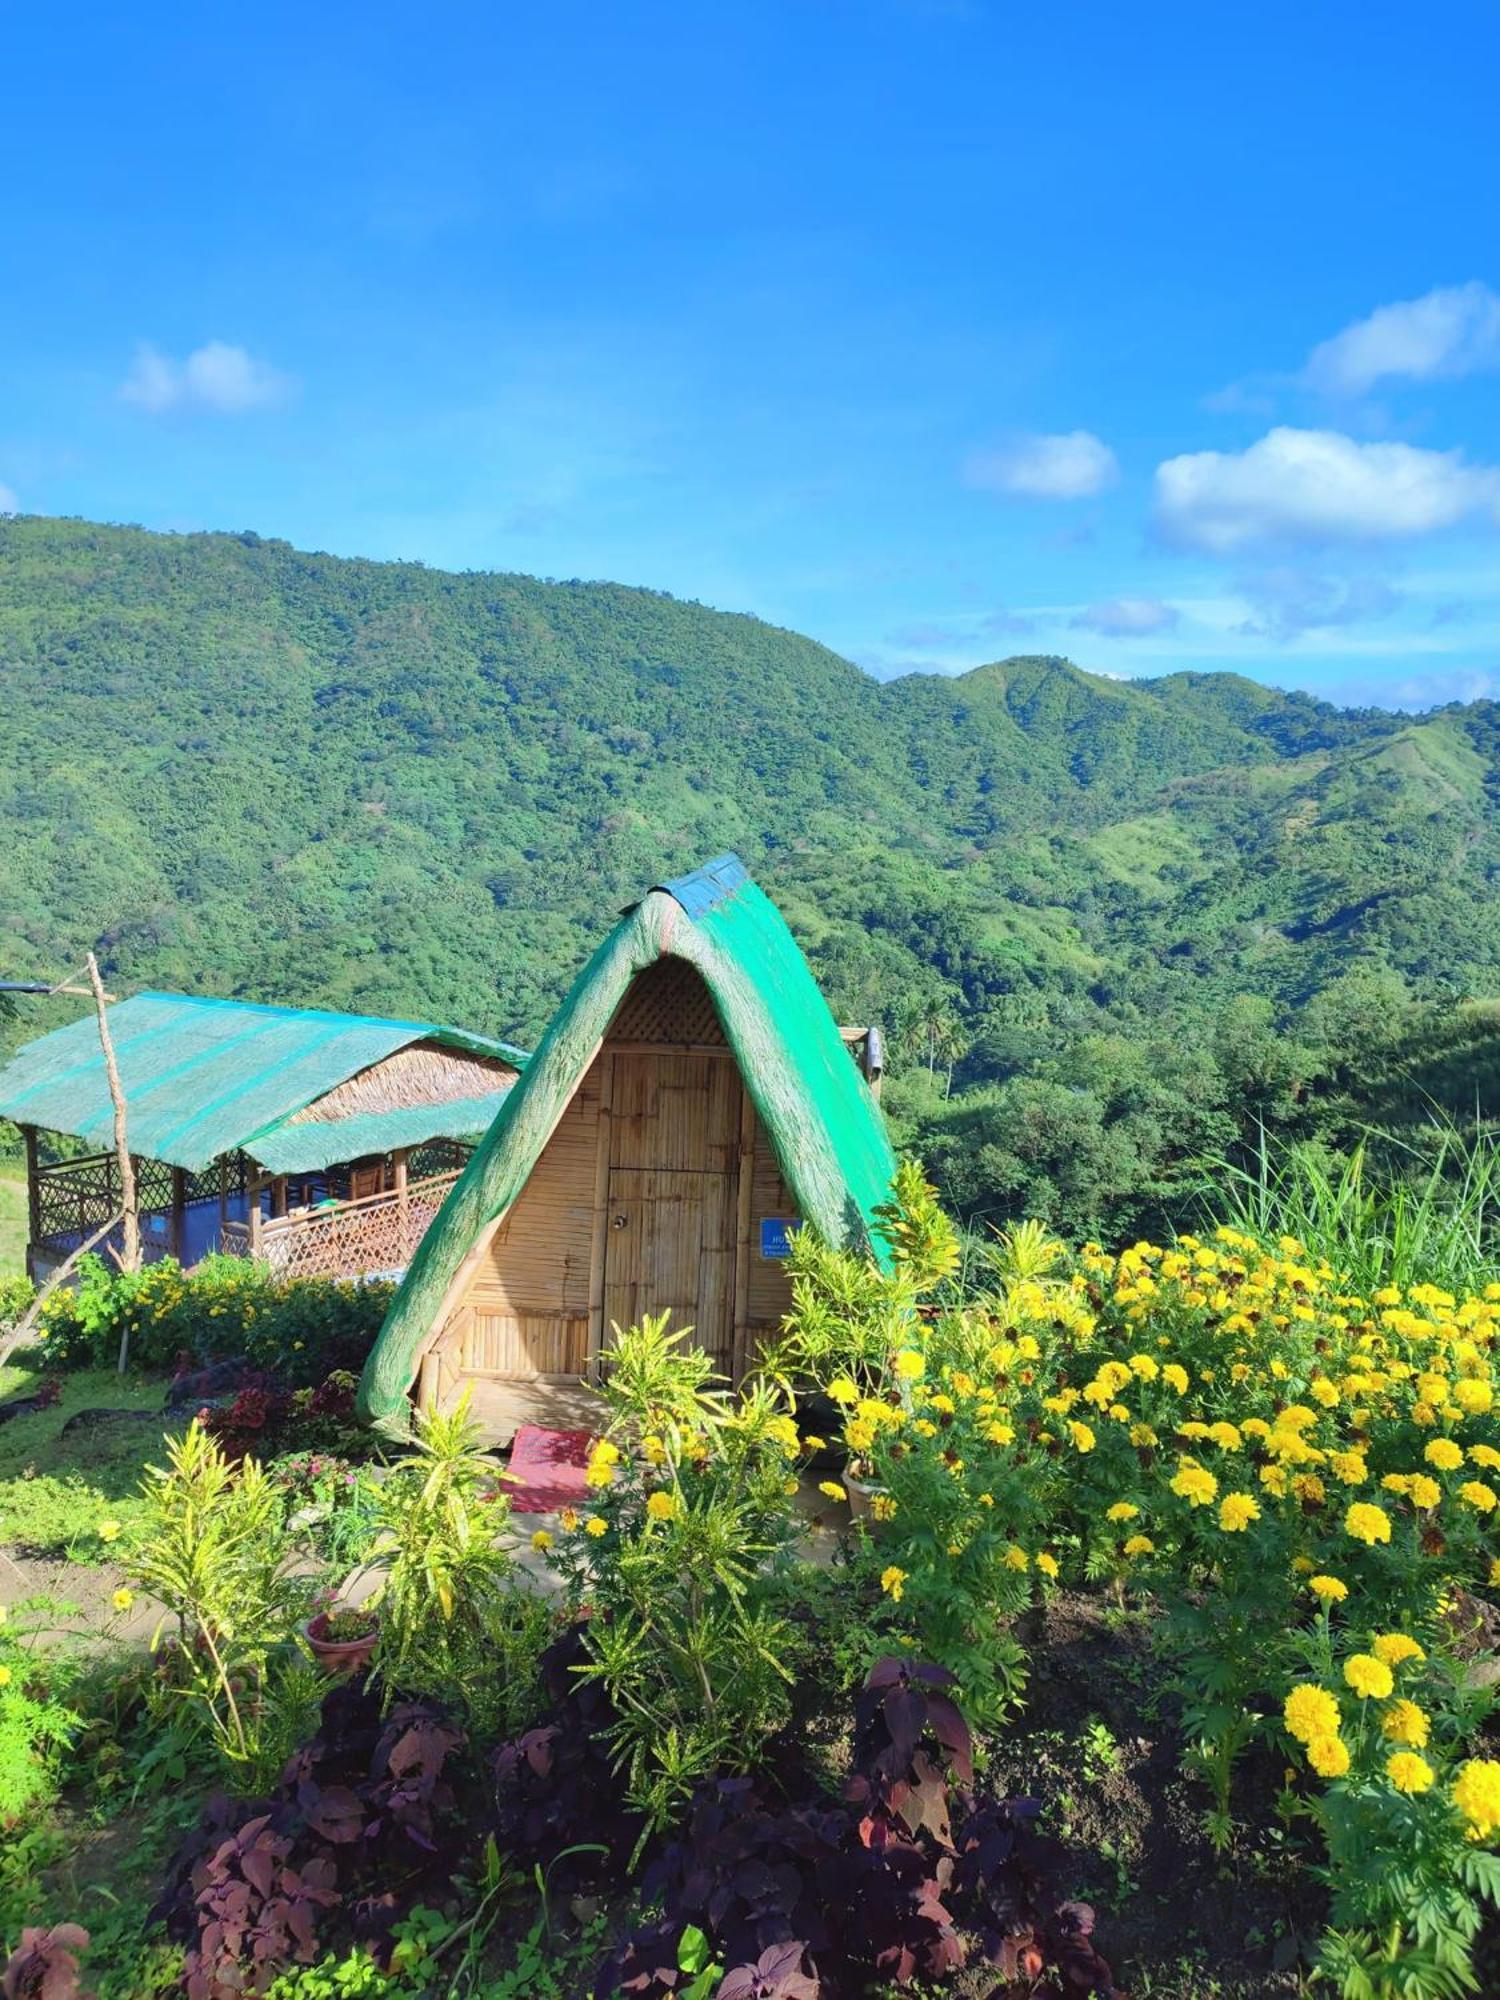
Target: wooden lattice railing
(75,1197)
(346,1239)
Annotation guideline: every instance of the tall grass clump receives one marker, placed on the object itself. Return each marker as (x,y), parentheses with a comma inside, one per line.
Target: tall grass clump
(1389,1213)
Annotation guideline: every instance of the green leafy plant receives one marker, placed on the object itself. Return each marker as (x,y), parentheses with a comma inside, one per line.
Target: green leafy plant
(215,1553)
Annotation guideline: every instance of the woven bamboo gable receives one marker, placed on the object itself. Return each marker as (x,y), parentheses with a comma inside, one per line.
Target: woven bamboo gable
(691,1103)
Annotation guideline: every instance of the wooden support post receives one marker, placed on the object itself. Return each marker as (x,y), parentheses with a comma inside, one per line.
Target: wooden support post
(252,1211)
(177,1222)
(278,1196)
(597,1244)
(130,1242)
(744,1191)
(403,1205)
(33,1199)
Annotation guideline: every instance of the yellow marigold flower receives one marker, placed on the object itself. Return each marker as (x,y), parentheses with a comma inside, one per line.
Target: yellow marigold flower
(1473,1398)
(985,1499)
(1367,1523)
(1395,1648)
(832,1488)
(1494,1570)
(1323,1391)
(1485,1455)
(1225,1436)
(1349,1467)
(1408,1772)
(1236,1512)
(1140,1545)
(1310,1711)
(944,1405)
(1176,1377)
(601,1466)
(1082,1436)
(1404,1722)
(892,1582)
(1193,1484)
(882,1507)
(1307,1486)
(541,1541)
(1444,1454)
(568,1518)
(1329,1756)
(123,1599)
(5,1677)
(1328,1589)
(1047,1564)
(924,1428)
(663,1506)
(1476,1793)
(1476,1494)
(1422,1491)
(1017,1558)
(109,1531)
(1145,1367)
(1122,1510)
(1303,1565)
(842,1390)
(1142,1436)
(909,1365)
(860,1435)
(1273,1478)
(1423,1414)
(596,1525)
(1369,1677)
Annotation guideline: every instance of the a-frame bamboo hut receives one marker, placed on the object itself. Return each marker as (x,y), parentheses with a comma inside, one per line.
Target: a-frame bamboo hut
(691,1103)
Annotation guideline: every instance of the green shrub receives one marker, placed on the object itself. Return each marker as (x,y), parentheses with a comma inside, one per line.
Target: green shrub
(227,1307)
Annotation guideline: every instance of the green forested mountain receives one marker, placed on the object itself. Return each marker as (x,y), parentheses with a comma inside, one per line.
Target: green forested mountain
(1116,912)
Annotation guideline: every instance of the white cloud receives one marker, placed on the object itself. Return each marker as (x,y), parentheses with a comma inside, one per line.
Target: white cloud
(9,504)
(1288,601)
(1454,330)
(217,378)
(1128,617)
(1069,465)
(1317,486)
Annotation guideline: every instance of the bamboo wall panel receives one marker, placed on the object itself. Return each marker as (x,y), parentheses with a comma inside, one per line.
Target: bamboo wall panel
(537,1261)
(770,1199)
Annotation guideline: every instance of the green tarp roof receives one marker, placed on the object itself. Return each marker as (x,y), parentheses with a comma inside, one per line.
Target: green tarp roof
(205,1077)
(829,1137)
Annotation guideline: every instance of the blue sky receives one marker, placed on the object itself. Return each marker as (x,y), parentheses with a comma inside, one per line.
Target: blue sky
(1162,336)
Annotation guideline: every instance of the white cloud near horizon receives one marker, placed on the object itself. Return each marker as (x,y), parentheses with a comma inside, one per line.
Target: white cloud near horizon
(1128,617)
(1302,486)
(1064,465)
(1288,601)
(9,502)
(1451,331)
(216,378)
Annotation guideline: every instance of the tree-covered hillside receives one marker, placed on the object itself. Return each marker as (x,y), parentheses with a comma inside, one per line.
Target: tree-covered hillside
(238,768)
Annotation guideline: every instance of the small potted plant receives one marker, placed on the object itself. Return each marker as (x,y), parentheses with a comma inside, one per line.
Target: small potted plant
(341,1637)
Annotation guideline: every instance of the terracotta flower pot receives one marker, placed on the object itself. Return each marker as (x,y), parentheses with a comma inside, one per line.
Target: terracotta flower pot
(861,1492)
(339,1656)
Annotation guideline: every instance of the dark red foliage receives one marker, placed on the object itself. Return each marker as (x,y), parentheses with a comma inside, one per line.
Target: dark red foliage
(838,1899)
(365,1820)
(44,1966)
(557,1796)
(251,1421)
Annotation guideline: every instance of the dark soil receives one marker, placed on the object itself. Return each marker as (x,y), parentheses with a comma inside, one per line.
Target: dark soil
(1097,1743)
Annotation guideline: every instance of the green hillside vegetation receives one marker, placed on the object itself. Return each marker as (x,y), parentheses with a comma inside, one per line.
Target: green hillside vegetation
(1112,926)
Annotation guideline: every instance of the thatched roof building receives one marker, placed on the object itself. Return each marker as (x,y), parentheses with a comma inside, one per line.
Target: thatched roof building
(692,1102)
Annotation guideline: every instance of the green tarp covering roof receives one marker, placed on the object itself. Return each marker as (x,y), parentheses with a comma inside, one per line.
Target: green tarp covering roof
(826,1128)
(204,1077)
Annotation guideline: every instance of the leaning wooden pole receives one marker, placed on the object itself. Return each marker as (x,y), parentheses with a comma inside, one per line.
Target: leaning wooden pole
(130,1245)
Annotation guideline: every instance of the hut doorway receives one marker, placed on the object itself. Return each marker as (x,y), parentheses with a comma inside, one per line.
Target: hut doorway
(676,1120)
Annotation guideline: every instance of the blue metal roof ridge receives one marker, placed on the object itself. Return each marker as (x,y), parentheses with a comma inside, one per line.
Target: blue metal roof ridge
(706,887)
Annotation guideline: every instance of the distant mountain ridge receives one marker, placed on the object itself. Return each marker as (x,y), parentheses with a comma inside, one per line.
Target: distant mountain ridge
(242,768)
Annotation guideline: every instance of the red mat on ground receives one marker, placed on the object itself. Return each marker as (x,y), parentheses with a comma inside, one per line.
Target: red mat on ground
(546,1469)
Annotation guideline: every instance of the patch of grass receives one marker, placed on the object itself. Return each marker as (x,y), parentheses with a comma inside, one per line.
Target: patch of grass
(55,1490)
(12,1220)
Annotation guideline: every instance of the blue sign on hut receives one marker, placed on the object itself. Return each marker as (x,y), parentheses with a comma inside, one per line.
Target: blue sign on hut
(692,1102)
(321,1144)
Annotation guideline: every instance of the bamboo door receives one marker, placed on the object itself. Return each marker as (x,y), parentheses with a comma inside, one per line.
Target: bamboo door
(671,1211)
